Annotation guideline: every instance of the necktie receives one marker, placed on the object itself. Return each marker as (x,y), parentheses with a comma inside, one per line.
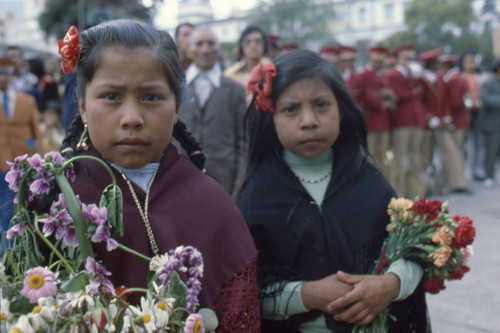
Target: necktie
(6,103)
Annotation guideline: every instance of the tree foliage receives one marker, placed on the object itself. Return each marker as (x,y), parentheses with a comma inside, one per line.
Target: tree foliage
(449,24)
(297,21)
(59,15)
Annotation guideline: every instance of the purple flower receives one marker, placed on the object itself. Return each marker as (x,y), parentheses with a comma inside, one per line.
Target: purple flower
(36,162)
(58,221)
(14,176)
(70,238)
(62,201)
(92,267)
(99,215)
(100,234)
(42,184)
(87,210)
(111,244)
(16,230)
(190,259)
(56,157)
(70,174)
(20,159)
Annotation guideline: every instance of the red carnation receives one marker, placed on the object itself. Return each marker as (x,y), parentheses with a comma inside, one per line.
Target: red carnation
(434,285)
(123,290)
(383,263)
(432,208)
(464,233)
(459,273)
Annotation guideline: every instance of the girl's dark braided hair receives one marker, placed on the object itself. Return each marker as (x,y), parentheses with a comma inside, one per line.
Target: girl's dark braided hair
(131,34)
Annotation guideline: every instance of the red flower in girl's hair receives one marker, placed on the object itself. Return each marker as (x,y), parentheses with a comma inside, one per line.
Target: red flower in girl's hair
(263,101)
(69,49)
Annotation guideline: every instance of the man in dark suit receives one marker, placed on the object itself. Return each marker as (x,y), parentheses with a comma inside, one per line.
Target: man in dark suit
(215,112)
(489,120)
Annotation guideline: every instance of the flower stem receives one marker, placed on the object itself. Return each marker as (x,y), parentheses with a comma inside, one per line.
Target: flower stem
(134,252)
(86,157)
(52,247)
(76,213)
(132,290)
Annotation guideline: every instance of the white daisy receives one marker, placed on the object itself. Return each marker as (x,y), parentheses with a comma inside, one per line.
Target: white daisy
(158,262)
(82,298)
(4,308)
(146,313)
(22,325)
(37,321)
(162,311)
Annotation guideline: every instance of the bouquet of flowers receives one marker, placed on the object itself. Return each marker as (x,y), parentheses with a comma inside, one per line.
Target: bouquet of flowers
(424,232)
(65,288)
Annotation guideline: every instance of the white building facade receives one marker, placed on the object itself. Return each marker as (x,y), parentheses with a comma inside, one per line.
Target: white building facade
(19,26)
(372,20)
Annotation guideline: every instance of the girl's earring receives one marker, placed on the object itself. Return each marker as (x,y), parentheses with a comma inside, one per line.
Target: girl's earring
(83,143)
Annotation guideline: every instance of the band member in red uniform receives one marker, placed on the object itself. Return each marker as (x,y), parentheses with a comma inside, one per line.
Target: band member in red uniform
(376,102)
(407,122)
(454,122)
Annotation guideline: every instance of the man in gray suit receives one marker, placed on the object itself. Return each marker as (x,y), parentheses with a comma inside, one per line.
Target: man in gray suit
(489,120)
(215,113)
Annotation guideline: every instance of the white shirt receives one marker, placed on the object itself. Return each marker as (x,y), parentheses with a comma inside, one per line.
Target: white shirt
(203,82)
(12,98)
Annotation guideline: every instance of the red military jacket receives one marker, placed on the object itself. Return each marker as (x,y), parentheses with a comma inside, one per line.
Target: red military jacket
(453,86)
(366,86)
(431,99)
(409,108)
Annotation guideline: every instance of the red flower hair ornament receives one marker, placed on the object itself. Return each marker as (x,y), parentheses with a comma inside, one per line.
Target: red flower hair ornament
(69,49)
(262,89)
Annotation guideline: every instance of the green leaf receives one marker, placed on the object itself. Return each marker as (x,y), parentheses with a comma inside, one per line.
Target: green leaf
(77,283)
(112,199)
(21,304)
(177,289)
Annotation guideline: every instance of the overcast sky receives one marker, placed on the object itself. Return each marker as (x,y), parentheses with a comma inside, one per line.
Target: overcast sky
(167,13)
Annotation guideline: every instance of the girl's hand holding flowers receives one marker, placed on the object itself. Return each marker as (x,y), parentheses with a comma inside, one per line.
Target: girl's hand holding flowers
(422,232)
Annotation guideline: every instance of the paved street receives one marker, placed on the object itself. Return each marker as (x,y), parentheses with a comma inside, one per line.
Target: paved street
(473,303)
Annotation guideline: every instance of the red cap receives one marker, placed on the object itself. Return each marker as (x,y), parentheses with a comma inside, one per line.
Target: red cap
(329,49)
(405,47)
(273,39)
(378,49)
(289,46)
(392,53)
(430,55)
(449,58)
(343,48)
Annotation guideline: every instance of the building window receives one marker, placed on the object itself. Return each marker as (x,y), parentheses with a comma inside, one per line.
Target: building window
(362,15)
(389,11)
